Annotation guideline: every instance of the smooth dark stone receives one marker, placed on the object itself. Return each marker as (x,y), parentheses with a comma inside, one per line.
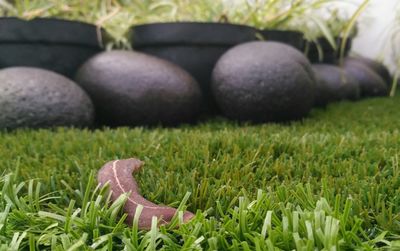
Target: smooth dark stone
(334,84)
(130,88)
(293,38)
(53,44)
(263,81)
(276,50)
(195,47)
(376,66)
(34,98)
(371,84)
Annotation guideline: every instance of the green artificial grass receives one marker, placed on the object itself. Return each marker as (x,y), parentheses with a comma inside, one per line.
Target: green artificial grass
(330,182)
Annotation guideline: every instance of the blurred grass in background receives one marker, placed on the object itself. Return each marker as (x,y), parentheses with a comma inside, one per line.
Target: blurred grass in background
(315,18)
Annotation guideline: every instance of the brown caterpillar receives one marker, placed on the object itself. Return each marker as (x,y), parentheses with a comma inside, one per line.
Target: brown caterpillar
(119,175)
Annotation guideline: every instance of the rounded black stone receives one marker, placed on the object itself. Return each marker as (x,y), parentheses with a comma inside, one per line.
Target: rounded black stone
(376,66)
(277,49)
(194,46)
(263,81)
(130,88)
(31,97)
(334,84)
(371,84)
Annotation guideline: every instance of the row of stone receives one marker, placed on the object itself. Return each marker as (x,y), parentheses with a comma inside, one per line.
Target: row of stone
(255,81)
(267,81)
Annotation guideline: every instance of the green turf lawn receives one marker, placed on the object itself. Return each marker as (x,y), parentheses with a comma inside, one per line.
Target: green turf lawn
(329,182)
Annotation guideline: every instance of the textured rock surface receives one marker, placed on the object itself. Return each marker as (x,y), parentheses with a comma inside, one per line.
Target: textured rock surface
(371,84)
(376,66)
(130,88)
(276,50)
(194,46)
(334,84)
(263,81)
(31,97)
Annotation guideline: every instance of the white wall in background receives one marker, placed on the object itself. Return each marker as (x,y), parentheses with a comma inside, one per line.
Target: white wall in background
(374,30)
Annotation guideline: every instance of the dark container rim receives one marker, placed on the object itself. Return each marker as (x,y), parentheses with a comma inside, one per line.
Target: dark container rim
(330,55)
(294,32)
(47,30)
(325,45)
(291,37)
(200,33)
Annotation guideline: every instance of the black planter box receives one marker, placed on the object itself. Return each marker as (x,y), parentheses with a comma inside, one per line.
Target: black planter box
(293,38)
(195,47)
(330,55)
(52,44)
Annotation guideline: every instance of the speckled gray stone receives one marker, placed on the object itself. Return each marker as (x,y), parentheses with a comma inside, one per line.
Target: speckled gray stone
(334,84)
(35,98)
(130,88)
(371,84)
(263,81)
(277,50)
(376,66)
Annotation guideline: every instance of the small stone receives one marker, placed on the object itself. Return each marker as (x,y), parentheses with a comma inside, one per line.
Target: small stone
(334,84)
(376,66)
(371,84)
(35,98)
(130,88)
(263,81)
